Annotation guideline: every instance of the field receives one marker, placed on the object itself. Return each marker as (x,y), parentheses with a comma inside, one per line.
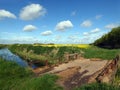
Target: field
(55,53)
(14,77)
(67,45)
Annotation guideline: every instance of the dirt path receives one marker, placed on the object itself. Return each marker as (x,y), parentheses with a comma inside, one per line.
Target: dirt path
(86,64)
(77,72)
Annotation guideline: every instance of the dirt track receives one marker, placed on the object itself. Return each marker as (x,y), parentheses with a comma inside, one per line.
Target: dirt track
(86,64)
(77,72)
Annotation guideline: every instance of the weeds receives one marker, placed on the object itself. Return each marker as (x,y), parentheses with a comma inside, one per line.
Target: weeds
(98,86)
(14,77)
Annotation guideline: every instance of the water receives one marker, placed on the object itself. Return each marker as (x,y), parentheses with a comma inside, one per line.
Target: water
(8,55)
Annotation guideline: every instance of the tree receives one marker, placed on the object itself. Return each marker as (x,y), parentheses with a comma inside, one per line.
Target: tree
(110,40)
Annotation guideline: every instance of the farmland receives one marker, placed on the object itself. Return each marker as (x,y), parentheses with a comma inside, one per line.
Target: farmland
(54,55)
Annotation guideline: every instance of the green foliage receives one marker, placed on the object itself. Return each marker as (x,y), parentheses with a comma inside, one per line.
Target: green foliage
(56,54)
(110,40)
(45,82)
(2,46)
(95,52)
(98,86)
(118,72)
(41,53)
(117,77)
(14,77)
(32,53)
(10,73)
(12,70)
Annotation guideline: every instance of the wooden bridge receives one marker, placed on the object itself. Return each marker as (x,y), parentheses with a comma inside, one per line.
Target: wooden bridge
(69,57)
(82,71)
(107,75)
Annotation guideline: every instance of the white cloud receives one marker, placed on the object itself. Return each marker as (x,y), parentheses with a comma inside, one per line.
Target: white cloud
(86,23)
(23,38)
(110,26)
(58,37)
(46,33)
(73,13)
(8,33)
(18,38)
(6,14)
(73,37)
(86,33)
(32,11)
(98,16)
(61,26)
(95,30)
(29,28)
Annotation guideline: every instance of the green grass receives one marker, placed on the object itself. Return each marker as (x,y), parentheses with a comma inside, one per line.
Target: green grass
(117,77)
(9,69)
(98,86)
(56,54)
(95,52)
(2,46)
(14,77)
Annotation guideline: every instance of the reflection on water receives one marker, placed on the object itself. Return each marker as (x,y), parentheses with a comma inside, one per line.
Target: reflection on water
(8,55)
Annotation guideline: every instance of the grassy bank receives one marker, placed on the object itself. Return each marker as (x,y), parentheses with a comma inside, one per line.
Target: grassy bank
(14,77)
(96,52)
(55,54)
(98,86)
(42,54)
(2,46)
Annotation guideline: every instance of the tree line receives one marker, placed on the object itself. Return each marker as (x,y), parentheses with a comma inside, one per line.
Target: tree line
(110,40)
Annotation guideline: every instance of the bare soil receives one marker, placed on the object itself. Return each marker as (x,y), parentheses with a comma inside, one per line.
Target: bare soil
(78,72)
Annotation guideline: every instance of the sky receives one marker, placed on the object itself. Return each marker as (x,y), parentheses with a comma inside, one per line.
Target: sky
(57,21)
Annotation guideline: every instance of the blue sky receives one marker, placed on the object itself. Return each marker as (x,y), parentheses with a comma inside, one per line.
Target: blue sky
(57,21)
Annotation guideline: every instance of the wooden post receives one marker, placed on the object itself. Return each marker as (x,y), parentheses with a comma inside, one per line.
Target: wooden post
(46,62)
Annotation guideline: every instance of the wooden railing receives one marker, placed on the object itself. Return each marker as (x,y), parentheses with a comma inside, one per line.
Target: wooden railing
(108,73)
(69,57)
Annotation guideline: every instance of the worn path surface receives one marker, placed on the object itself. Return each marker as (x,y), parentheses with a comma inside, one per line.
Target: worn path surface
(77,72)
(86,64)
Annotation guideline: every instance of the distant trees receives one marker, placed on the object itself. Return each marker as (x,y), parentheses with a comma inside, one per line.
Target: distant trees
(110,40)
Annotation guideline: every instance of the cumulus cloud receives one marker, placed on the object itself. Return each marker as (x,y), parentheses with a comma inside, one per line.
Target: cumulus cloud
(86,23)
(32,11)
(95,30)
(110,26)
(61,26)
(6,14)
(86,33)
(46,33)
(29,28)
(98,16)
